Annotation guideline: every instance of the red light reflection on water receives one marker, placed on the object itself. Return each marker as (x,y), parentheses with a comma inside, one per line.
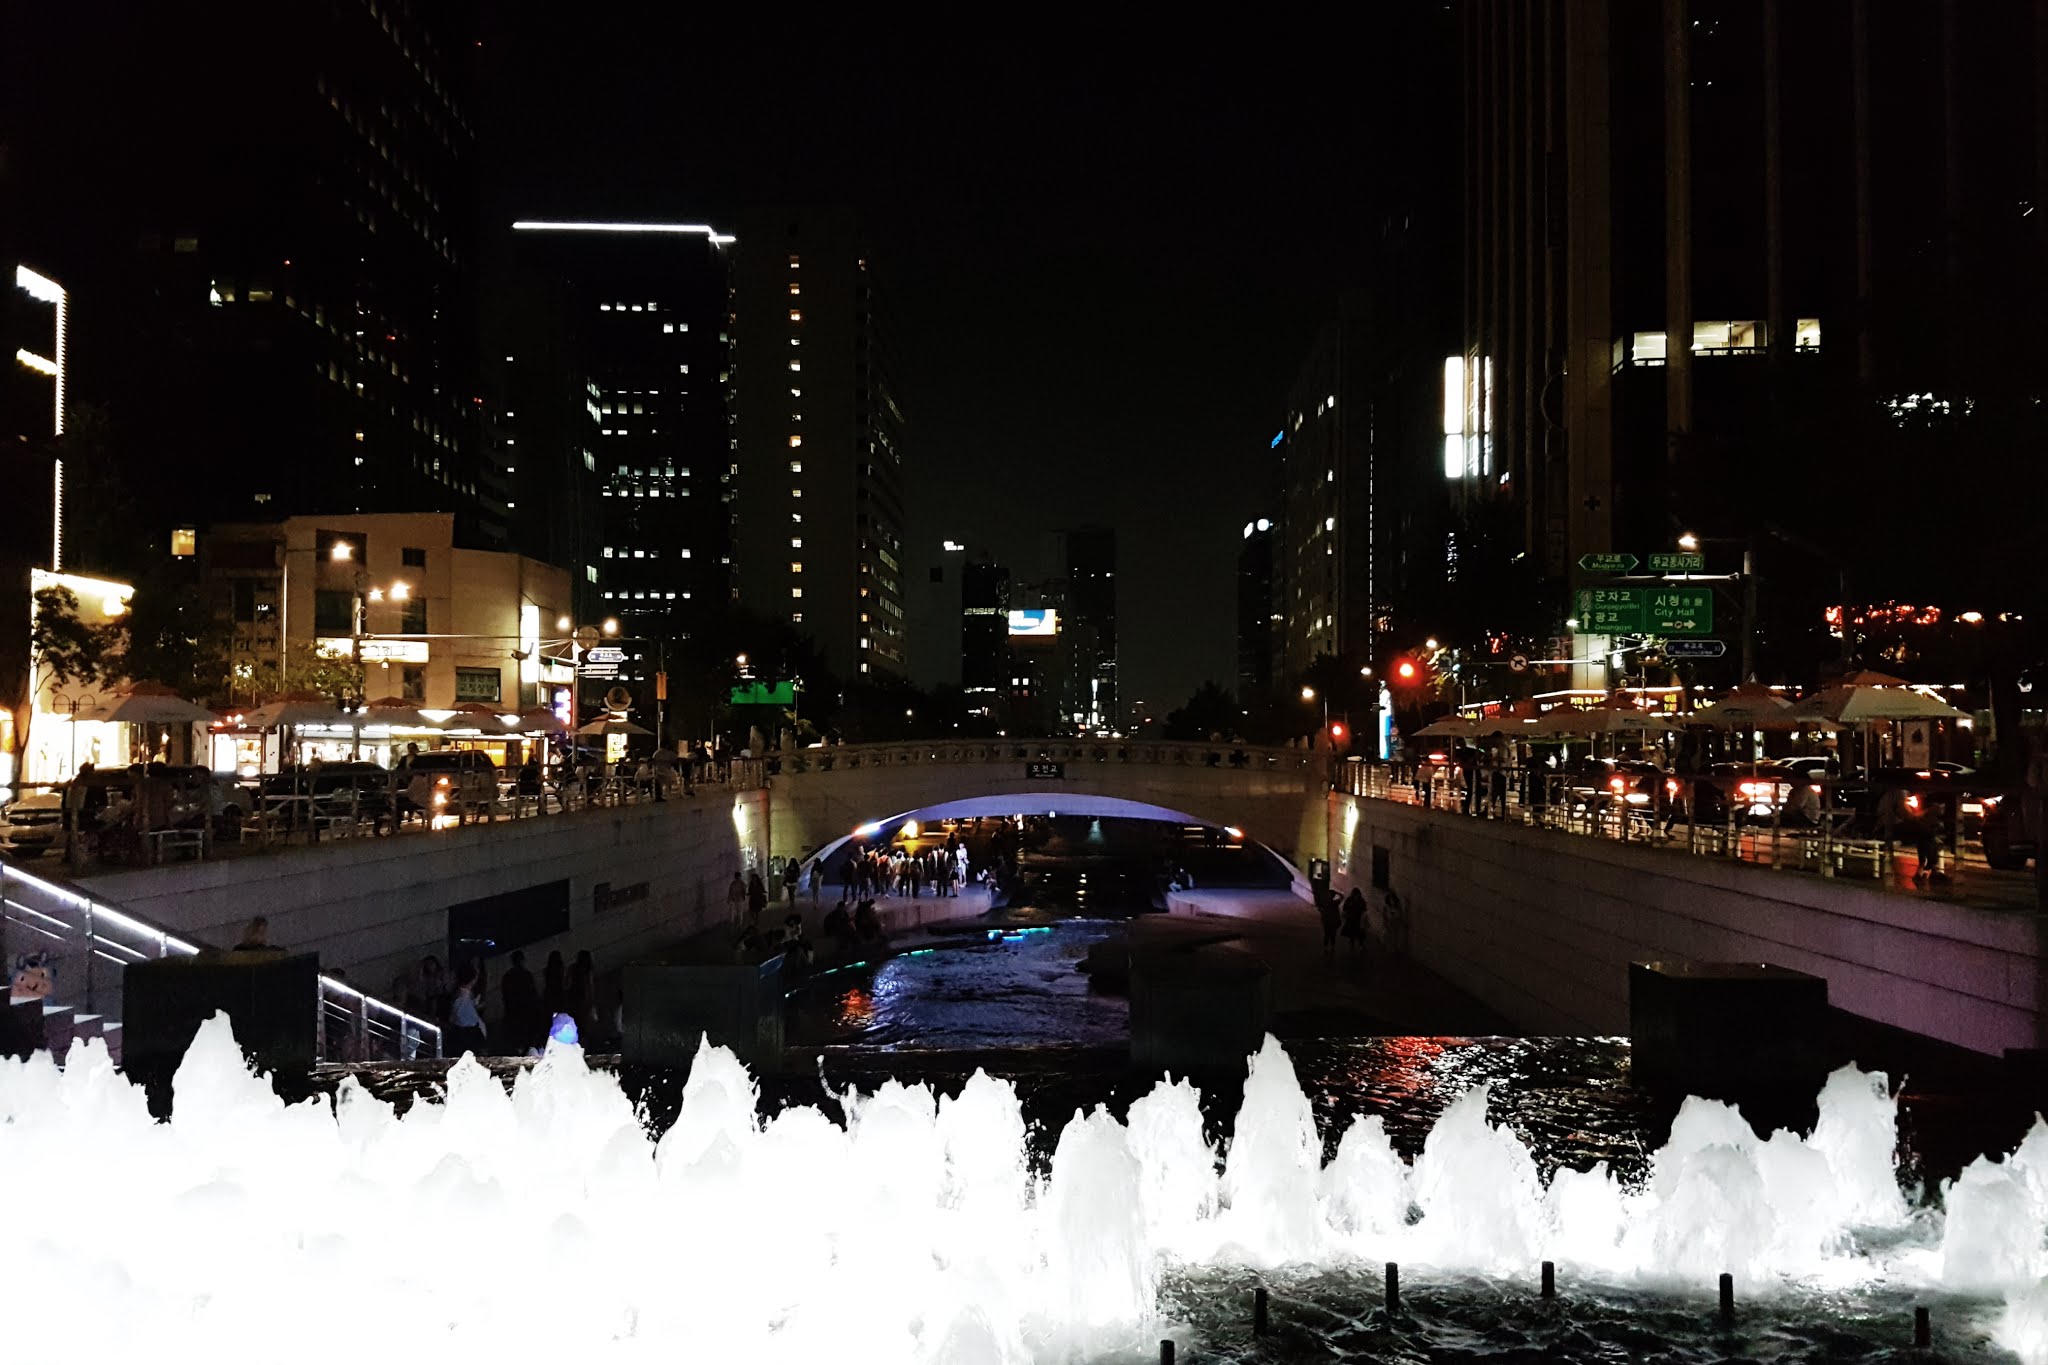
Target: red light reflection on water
(855,1008)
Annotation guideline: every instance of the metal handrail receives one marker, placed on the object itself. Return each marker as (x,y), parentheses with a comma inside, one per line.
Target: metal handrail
(42,914)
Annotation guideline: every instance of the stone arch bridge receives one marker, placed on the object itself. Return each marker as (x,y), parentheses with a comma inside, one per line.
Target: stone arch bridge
(819,798)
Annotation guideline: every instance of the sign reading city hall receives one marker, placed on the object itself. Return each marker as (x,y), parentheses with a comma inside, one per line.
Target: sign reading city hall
(1646,611)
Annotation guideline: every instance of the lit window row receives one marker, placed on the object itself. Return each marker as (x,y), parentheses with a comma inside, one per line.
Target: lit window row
(624,308)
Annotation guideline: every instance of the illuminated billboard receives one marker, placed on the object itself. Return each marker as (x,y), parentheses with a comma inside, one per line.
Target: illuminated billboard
(1034,621)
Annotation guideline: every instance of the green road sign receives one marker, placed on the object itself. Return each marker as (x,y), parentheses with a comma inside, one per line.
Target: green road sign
(1608,563)
(764,694)
(1678,562)
(1679,611)
(1646,611)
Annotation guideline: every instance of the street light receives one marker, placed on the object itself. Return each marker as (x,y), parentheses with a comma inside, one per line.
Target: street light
(43,289)
(611,625)
(1688,541)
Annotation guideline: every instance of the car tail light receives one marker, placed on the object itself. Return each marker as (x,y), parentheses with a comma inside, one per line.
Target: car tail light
(1671,786)
(1912,803)
(1616,783)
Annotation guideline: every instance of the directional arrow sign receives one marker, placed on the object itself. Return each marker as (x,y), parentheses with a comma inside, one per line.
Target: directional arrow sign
(1678,611)
(1695,649)
(1678,562)
(1608,563)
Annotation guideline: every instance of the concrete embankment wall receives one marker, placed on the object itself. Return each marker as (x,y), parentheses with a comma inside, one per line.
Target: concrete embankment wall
(636,877)
(1542,925)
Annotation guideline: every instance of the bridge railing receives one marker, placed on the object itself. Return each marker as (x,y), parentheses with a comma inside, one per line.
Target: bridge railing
(88,945)
(1168,753)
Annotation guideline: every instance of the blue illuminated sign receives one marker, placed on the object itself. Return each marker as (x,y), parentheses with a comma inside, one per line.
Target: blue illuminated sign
(1277,439)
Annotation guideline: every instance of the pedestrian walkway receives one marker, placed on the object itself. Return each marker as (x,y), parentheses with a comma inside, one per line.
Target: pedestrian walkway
(1317,994)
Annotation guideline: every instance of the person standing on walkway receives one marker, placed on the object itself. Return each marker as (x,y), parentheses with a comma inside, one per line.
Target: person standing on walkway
(792,870)
(736,900)
(522,1027)
(757,898)
(465,1017)
(1326,906)
(1354,919)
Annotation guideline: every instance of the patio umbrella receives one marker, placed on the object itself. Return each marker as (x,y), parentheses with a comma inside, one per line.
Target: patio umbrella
(295,709)
(149,703)
(1449,727)
(1744,708)
(1604,719)
(611,726)
(1857,703)
(540,720)
(397,713)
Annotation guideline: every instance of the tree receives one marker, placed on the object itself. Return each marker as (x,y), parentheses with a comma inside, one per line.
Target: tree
(1211,711)
(305,669)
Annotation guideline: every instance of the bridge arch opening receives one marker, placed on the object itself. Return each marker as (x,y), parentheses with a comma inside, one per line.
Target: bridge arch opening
(1003,805)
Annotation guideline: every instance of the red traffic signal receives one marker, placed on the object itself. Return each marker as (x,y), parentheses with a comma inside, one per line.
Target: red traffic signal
(1407,670)
(1337,732)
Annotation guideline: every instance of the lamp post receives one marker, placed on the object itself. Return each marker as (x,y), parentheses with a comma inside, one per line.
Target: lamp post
(46,290)
(1689,541)
(73,704)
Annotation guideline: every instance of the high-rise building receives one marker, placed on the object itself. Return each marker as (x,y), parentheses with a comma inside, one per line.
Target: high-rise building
(614,424)
(818,513)
(1754,272)
(1255,611)
(1325,550)
(985,672)
(1088,629)
(264,222)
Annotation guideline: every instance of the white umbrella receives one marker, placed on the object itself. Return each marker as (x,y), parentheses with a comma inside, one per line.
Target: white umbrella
(152,704)
(397,713)
(1605,719)
(300,708)
(1856,703)
(611,727)
(1449,727)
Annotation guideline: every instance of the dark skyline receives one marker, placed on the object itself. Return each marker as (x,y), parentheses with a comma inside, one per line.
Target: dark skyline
(1102,264)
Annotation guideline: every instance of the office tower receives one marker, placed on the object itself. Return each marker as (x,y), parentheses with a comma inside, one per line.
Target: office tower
(1255,611)
(1088,628)
(985,672)
(1755,272)
(265,229)
(818,513)
(619,446)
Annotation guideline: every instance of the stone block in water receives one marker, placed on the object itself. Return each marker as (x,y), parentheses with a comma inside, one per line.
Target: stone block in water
(1198,1008)
(1726,1030)
(671,1003)
(272,999)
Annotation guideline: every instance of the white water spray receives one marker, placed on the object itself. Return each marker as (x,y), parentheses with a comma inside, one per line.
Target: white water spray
(546,1221)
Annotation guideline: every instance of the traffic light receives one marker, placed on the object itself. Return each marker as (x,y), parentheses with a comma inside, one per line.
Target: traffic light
(1407,670)
(1338,734)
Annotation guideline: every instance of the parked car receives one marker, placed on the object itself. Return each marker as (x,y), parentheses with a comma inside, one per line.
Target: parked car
(1755,793)
(32,824)
(462,779)
(2008,837)
(330,789)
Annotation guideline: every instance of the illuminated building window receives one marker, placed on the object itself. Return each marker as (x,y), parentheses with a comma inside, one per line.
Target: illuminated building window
(796,315)
(796,566)
(796,592)
(795,441)
(795,288)
(1806,335)
(668,328)
(184,542)
(796,466)
(796,618)
(796,366)
(796,393)
(794,262)
(796,492)
(796,542)
(796,341)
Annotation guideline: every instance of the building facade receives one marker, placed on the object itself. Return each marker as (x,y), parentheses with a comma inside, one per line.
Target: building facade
(266,232)
(615,424)
(1088,629)
(1255,611)
(433,624)
(818,517)
(985,672)
(1751,272)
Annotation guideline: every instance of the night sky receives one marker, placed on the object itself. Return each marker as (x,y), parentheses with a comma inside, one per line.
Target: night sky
(1105,257)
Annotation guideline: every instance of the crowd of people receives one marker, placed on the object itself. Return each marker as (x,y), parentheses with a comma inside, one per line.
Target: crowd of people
(875,873)
(525,1012)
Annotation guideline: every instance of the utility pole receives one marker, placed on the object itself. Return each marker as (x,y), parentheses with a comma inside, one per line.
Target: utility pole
(1749,610)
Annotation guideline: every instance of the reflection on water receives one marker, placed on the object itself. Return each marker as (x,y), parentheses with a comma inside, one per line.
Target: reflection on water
(1019,989)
